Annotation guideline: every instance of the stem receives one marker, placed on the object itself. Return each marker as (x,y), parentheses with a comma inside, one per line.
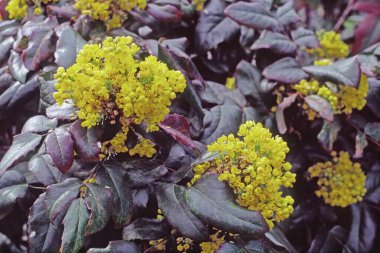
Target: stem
(152,247)
(344,15)
(37,187)
(95,169)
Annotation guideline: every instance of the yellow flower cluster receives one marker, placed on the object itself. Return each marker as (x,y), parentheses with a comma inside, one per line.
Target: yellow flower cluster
(108,83)
(254,166)
(230,83)
(341,182)
(216,240)
(18,9)
(199,4)
(112,12)
(331,46)
(342,98)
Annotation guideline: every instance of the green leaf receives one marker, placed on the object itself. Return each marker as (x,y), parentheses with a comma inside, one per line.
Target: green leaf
(320,105)
(43,236)
(21,146)
(99,200)
(213,202)
(171,200)
(39,124)
(329,133)
(74,223)
(114,177)
(346,71)
(277,42)
(373,130)
(13,186)
(117,247)
(253,15)
(285,70)
(146,229)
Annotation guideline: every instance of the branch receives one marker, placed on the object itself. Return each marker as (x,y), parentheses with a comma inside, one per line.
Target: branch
(344,15)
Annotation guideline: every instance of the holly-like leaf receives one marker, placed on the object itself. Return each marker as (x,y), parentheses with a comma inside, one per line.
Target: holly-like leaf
(69,44)
(114,177)
(13,187)
(346,71)
(42,168)
(60,196)
(321,106)
(86,141)
(329,133)
(39,124)
(277,237)
(285,70)
(39,36)
(288,101)
(253,15)
(65,111)
(43,236)
(99,201)
(164,13)
(360,144)
(247,78)
(59,145)
(17,68)
(74,223)
(22,145)
(171,200)
(146,229)
(373,129)
(330,241)
(46,92)
(213,202)
(277,42)
(117,247)
(305,38)
(286,14)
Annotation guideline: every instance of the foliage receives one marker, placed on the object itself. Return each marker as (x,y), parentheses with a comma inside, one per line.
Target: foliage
(189,126)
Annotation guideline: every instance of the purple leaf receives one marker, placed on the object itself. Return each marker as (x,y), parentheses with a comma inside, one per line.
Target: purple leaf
(277,42)
(65,111)
(321,106)
(38,124)
(285,70)
(287,14)
(165,13)
(305,38)
(17,68)
(288,101)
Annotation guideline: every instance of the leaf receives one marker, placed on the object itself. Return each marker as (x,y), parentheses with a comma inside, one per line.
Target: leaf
(329,133)
(99,201)
(39,34)
(171,200)
(288,101)
(363,228)
(42,168)
(286,70)
(252,15)
(321,106)
(143,176)
(59,146)
(21,146)
(117,247)
(114,177)
(146,229)
(213,27)
(224,119)
(5,47)
(74,223)
(213,202)
(86,141)
(69,44)
(373,130)
(305,38)
(164,13)
(360,144)
(46,92)
(39,124)
(287,14)
(42,235)
(367,33)
(60,196)
(65,111)
(277,42)
(17,68)
(346,71)
(13,186)
(329,241)
(178,127)
(247,78)
(276,236)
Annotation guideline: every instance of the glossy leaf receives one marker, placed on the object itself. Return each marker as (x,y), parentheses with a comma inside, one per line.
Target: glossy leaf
(276,236)
(117,247)
(22,145)
(329,133)
(65,111)
(373,130)
(171,200)
(59,146)
(321,106)
(285,70)
(213,202)
(280,119)
(277,42)
(304,37)
(42,168)
(360,144)
(17,68)
(39,124)
(287,15)
(146,229)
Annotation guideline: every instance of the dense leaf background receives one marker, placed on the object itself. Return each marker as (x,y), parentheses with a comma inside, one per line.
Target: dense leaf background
(46,204)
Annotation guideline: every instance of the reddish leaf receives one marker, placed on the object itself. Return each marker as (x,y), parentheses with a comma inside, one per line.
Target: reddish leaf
(59,146)
(166,13)
(367,33)
(369,7)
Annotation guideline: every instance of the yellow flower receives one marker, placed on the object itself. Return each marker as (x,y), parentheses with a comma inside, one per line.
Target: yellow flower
(17,9)
(331,46)
(230,83)
(254,165)
(199,4)
(216,240)
(353,98)
(108,84)
(112,12)
(341,182)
